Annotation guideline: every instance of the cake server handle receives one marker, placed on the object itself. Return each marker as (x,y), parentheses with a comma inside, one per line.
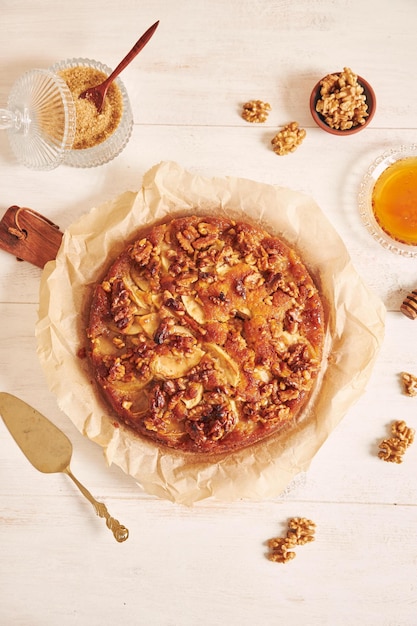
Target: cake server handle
(119,531)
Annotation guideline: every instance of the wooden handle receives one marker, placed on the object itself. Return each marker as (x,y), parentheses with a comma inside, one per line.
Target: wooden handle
(141,43)
(29,236)
(409,306)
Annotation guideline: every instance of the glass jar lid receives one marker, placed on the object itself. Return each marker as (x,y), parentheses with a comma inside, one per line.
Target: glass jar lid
(40,119)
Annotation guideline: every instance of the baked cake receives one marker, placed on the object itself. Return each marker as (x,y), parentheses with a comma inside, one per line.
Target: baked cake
(206,334)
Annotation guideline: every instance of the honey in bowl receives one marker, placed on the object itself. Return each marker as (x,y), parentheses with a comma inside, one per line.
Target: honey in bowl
(394,200)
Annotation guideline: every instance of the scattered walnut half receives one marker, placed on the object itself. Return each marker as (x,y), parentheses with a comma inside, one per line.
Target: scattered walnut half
(288,139)
(409,382)
(300,531)
(256,111)
(402,431)
(393,449)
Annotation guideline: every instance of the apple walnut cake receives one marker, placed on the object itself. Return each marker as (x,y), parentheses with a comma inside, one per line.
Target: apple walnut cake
(206,334)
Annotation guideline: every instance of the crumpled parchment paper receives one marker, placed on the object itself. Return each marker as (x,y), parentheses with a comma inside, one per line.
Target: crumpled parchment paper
(355,328)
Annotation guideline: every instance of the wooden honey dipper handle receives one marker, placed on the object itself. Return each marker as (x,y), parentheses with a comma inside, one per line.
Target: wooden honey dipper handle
(409,306)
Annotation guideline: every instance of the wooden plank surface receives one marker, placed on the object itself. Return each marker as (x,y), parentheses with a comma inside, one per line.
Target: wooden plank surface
(207,564)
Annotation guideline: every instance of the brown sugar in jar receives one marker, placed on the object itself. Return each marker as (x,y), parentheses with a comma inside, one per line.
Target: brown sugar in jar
(92,128)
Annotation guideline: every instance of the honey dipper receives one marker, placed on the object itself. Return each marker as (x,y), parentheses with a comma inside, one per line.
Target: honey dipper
(409,306)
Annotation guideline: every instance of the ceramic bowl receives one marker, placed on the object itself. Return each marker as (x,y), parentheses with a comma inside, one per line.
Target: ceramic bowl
(319,119)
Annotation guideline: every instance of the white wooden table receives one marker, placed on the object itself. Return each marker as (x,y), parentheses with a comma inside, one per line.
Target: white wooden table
(206,564)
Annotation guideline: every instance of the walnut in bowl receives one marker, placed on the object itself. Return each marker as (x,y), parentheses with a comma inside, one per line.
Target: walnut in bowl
(342,103)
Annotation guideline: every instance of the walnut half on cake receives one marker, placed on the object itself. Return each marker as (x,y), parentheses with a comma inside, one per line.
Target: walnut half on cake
(206,334)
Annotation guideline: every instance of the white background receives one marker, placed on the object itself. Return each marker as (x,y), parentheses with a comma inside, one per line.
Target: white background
(207,565)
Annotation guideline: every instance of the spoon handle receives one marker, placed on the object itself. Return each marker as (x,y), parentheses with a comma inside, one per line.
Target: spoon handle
(141,43)
(119,531)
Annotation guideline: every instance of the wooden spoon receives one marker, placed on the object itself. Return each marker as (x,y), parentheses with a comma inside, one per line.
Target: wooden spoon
(97,94)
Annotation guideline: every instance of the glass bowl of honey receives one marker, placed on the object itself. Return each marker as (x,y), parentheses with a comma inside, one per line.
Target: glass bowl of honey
(388,200)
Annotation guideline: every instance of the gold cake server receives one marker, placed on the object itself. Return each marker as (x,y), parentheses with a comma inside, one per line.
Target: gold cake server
(48,449)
